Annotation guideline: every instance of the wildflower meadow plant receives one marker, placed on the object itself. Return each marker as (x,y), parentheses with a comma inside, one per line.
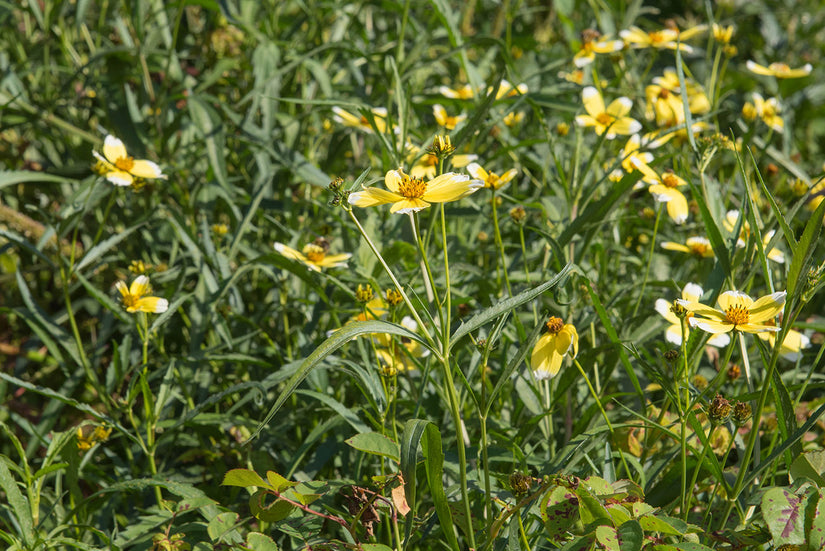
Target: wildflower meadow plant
(597,324)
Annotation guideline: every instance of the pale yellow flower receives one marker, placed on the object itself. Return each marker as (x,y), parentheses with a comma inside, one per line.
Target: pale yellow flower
(119,168)
(593,43)
(664,100)
(508,90)
(408,194)
(464,92)
(673,333)
(425,164)
(491,179)
(663,39)
(612,120)
(445,120)
(397,356)
(738,312)
(379,117)
(696,246)
(768,110)
(314,255)
(779,70)
(660,137)
(722,34)
(136,297)
(665,189)
(560,339)
(88,436)
(791,347)
(630,152)
(513,118)
(730,222)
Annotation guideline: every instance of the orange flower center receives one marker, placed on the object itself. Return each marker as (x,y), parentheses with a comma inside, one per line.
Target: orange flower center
(492,180)
(737,315)
(664,93)
(314,253)
(130,301)
(125,163)
(670,180)
(412,188)
(604,119)
(656,37)
(699,249)
(779,67)
(554,325)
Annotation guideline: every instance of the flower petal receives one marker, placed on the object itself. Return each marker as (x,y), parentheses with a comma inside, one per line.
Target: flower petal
(124,290)
(734,298)
(140,286)
(663,307)
(406,206)
(699,309)
(620,107)
(711,326)
(369,197)
(593,102)
(146,169)
(450,187)
(289,252)
(477,172)
(766,307)
(673,334)
(113,149)
(544,361)
(692,291)
(120,177)
(152,305)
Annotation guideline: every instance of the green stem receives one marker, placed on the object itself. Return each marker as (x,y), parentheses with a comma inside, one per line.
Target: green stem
(649,259)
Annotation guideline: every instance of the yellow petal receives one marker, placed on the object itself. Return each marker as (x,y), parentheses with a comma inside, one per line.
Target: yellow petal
(544,361)
(477,172)
(369,197)
(119,177)
(757,328)
(699,309)
(593,102)
(671,246)
(625,126)
(619,107)
(120,286)
(734,298)
(152,305)
(440,114)
(146,169)
(113,149)
(711,326)
(289,252)
(766,307)
(405,206)
(692,292)
(677,207)
(450,187)
(673,334)
(393,180)
(140,286)
(584,58)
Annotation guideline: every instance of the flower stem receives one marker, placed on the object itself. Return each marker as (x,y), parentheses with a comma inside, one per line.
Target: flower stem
(649,259)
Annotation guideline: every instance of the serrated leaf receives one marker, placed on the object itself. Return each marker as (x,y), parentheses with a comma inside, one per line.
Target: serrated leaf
(376,444)
(256,541)
(662,524)
(271,512)
(631,536)
(559,510)
(220,525)
(608,537)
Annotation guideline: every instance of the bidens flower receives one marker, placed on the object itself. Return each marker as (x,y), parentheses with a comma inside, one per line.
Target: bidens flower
(778,70)
(314,255)
(408,194)
(738,312)
(465,92)
(611,119)
(491,179)
(378,116)
(673,334)
(119,168)
(665,189)
(730,222)
(135,297)
(592,44)
(445,120)
(697,246)
(669,39)
(791,347)
(766,109)
(551,347)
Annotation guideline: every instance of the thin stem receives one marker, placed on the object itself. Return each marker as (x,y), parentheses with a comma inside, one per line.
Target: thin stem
(649,259)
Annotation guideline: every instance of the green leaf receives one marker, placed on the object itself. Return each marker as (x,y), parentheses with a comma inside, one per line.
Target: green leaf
(505,306)
(810,465)
(658,525)
(559,510)
(273,512)
(103,247)
(596,212)
(208,121)
(411,438)
(19,505)
(631,535)
(608,537)
(690,546)
(346,413)
(816,533)
(244,478)
(333,343)
(804,250)
(784,515)
(256,541)
(219,526)
(279,483)
(376,444)
(13,177)
(717,243)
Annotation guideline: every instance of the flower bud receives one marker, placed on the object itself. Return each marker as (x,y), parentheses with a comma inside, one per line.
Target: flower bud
(719,410)
(364,293)
(741,413)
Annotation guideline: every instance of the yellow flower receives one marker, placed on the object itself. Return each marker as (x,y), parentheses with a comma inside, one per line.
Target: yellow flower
(673,334)
(379,117)
(663,39)
(513,118)
(425,163)
(768,110)
(445,120)
(507,89)
(560,339)
(576,77)
(630,152)
(738,312)
(88,437)
(697,246)
(722,34)
(395,356)
(314,255)
(491,179)
(593,43)
(119,168)
(663,136)
(612,119)
(135,297)
(409,194)
(791,347)
(465,92)
(664,100)
(817,195)
(778,70)
(730,222)
(664,189)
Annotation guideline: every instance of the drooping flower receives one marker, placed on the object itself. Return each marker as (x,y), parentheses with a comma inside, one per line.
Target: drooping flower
(119,168)
(697,246)
(665,189)
(612,120)
(560,339)
(791,347)
(409,194)
(491,179)
(730,222)
(593,43)
(361,122)
(673,333)
(737,312)
(779,70)
(314,255)
(631,151)
(767,110)
(464,92)
(445,120)
(136,297)
(669,39)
